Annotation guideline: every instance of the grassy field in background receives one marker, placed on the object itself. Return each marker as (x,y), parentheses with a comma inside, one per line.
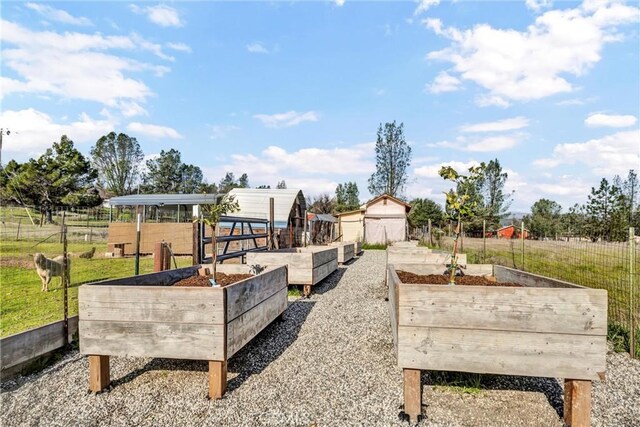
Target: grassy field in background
(23,305)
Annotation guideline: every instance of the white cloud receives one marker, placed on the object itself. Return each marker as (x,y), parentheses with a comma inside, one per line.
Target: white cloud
(257,47)
(314,170)
(161,14)
(131,109)
(480,144)
(497,126)
(75,65)
(444,82)
(609,155)
(537,5)
(221,131)
(180,47)
(487,100)
(609,120)
(58,15)
(153,131)
(290,118)
(339,3)
(424,5)
(577,101)
(534,63)
(33,131)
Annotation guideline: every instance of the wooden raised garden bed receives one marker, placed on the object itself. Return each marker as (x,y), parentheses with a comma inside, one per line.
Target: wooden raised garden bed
(420,255)
(307,266)
(147,316)
(545,328)
(346,251)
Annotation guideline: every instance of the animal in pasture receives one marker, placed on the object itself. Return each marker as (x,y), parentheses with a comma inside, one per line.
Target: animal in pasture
(48,268)
(88,254)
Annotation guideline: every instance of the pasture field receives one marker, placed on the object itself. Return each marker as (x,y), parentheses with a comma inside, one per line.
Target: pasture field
(24,306)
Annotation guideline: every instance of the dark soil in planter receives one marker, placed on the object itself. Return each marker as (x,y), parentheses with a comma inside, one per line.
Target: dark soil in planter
(222,279)
(443,279)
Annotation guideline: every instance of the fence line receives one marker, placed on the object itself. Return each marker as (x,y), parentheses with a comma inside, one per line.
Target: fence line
(613,266)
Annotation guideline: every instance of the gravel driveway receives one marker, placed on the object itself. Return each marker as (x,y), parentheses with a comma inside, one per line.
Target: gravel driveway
(329,363)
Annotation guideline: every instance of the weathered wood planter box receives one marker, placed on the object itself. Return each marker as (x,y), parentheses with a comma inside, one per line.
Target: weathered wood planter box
(307,266)
(346,251)
(547,328)
(145,316)
(357,248)
(420,255)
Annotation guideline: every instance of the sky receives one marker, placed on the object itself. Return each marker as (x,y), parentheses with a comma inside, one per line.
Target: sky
(297,90)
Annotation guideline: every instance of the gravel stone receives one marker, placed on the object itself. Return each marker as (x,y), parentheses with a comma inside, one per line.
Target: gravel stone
(329,363)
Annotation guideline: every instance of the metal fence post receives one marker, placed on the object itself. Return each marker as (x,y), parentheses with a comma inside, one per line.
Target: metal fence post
(65,283)
(137,268)
(484,240)
(632,260)
(522,238)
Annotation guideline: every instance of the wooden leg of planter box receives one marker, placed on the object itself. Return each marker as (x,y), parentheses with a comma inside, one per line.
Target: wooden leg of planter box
(306,290)
(98,373)
(217,379)
(577,403)
(412,394)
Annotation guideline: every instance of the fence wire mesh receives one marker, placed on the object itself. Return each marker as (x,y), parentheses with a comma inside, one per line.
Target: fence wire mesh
(613,266)
(92,256)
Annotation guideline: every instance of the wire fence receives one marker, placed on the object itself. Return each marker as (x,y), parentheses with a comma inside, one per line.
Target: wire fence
(92,255)
(613,266)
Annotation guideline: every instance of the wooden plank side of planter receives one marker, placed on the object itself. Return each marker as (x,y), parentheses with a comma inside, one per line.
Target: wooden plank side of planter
(246,294)
(424,269)
(275,258)
(393,283)
(324,255)
(152,339)
(244,328)
(506,274)
(560,311)
(502,352)
(423,258)
(322,271)
(300,276)
(203,306)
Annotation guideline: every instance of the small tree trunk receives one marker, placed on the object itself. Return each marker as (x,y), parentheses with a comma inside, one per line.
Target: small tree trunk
(214,250)
(454,264)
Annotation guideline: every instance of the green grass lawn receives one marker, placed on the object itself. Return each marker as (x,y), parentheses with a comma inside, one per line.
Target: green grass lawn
(23,305)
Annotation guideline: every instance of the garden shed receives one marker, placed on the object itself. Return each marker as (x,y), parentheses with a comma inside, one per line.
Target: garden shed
(380,220)
(288,211)
(511,232)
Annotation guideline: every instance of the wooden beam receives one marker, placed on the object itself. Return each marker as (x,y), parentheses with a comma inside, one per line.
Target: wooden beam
(217,379)
(577,403)
(412,394)
(98,373)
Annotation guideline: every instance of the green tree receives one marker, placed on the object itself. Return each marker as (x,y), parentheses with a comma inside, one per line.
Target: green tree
(263,187)
(243,181)
(191,181)
(322,204)
(211,214)
(544,220)
(60,176)
(347,197)
(423,210)
(164,173)
(117,159)
(495,203)
(460,206)
(393,157)
(605,213)
(281,185)
(573,222)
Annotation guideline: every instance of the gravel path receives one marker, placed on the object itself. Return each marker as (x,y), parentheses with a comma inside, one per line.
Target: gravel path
(329,363)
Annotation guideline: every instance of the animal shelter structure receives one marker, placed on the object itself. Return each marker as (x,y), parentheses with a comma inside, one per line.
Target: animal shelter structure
(288,211)
(380,220)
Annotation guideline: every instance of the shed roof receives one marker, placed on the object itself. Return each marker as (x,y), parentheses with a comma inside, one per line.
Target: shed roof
(254,203)
(387,196)
(312,217)
(164,199)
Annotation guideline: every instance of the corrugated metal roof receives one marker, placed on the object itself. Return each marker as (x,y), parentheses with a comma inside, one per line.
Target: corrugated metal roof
(321,217)
(164,199)
(254,203)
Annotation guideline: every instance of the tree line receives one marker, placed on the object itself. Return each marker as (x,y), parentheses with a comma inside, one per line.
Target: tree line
(63,176)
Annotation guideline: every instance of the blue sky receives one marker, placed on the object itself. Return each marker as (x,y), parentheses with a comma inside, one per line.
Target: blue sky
(296,90)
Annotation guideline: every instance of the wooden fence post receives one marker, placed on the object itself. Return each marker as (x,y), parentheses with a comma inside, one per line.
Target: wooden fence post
(577,403)
(158,257)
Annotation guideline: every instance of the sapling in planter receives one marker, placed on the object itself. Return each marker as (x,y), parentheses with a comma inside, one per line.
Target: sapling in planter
(211,214)
(460,206)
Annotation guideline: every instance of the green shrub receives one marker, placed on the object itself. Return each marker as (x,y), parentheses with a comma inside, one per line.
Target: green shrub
(374,246)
